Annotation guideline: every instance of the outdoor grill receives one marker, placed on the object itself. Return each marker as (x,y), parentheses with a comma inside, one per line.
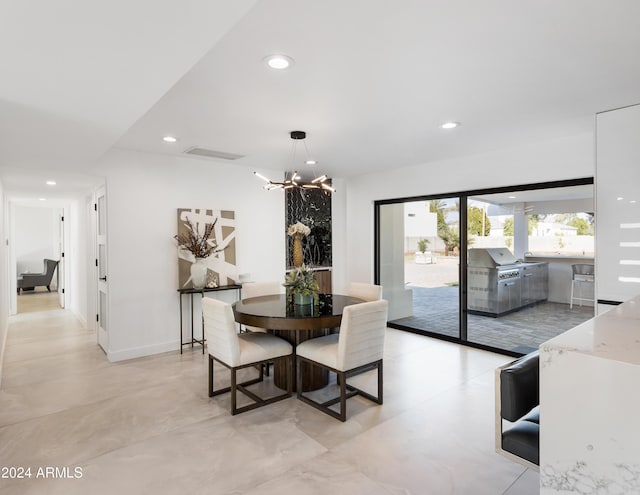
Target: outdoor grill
(498,283)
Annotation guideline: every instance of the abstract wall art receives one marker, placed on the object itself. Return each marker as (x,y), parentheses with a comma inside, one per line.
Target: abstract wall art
(221,265)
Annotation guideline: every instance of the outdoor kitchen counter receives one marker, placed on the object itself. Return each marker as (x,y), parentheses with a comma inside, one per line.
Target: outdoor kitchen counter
(498,283)
(560,273)
(566,258)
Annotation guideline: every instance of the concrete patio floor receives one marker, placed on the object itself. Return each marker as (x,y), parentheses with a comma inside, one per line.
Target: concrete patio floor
(436,310)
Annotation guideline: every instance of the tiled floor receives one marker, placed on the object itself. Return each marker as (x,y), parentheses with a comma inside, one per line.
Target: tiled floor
(147,425)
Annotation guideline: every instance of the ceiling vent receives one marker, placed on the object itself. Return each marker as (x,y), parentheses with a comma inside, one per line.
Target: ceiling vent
(198,151)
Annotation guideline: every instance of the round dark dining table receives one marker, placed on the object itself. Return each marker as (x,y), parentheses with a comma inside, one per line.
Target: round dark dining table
(295,323)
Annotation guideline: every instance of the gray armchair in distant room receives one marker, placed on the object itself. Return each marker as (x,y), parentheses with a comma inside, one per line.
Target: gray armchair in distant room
(29,281)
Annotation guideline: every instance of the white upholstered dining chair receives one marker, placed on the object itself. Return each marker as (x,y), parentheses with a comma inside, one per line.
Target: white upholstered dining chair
(366,292)
(357,348)
(237,351)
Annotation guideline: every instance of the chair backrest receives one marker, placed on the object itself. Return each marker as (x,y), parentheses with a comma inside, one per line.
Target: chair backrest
(256,289)
(366,292)
(582,269)
(49,268)
(361,339)
(519,386)
(220,331)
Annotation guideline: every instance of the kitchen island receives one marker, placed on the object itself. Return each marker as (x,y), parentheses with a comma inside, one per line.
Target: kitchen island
(589,433)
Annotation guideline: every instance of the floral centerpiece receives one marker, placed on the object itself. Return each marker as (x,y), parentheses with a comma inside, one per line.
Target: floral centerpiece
(298,231)
(302,283)
(201,246)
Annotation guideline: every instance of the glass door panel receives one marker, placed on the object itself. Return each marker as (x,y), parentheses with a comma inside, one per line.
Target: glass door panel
(419,264)
(521,248)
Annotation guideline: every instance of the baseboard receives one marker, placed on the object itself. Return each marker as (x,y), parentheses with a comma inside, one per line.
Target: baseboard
(80,317)
(147,350)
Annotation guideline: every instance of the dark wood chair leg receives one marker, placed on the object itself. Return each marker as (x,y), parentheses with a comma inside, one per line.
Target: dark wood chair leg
(233,392)
(380,381)
(210,376)
(236,386)
(346,391)
(289,377)
(343,396)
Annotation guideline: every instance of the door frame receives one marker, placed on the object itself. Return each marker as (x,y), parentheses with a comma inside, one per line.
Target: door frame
(100,286)
(462,275)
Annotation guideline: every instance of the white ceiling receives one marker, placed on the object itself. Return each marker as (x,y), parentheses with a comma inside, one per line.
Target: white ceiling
(372,81)
(569,193)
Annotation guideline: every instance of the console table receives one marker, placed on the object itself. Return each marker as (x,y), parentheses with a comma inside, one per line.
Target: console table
(190,292)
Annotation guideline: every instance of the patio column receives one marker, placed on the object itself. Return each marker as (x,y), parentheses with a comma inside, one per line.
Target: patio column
(392,262)
(520,231)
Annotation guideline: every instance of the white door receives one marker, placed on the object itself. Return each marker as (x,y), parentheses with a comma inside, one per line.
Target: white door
(101,269)
(61,263)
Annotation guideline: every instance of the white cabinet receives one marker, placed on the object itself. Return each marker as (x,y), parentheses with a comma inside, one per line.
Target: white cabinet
(618,204)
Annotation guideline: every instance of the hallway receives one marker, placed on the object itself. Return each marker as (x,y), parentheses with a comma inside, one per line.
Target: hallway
(37,300)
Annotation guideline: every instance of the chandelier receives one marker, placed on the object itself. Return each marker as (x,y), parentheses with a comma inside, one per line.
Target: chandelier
(295,180)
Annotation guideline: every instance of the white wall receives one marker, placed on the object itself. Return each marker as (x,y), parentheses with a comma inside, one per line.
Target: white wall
(618,204)
(4,276)
(145,190)
(560,159)
(143,193)
(37,237)
(77,232)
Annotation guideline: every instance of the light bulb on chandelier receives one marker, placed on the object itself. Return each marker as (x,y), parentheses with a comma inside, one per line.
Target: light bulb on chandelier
(295,180)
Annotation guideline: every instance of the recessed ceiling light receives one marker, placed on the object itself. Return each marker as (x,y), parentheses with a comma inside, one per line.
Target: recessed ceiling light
(511,197)
(42,199)
(632,201)
(51,183)
(619,198)
(169,139)
(311,162)
(450,125)
(279,61)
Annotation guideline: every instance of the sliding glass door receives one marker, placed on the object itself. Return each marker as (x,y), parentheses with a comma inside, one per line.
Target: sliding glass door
(492,269)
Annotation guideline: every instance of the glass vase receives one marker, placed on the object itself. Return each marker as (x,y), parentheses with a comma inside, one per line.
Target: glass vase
(302,299)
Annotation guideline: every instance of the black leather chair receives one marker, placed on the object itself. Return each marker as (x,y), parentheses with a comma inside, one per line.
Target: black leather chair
(29,281)
(518,410)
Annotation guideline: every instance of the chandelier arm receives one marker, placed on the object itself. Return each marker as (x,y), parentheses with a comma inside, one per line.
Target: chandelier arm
(295,180)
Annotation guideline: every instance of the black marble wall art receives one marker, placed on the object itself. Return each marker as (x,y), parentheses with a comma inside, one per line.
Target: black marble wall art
(311,207)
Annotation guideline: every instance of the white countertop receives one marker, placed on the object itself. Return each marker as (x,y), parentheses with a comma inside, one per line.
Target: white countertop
(614,335)
(560,257)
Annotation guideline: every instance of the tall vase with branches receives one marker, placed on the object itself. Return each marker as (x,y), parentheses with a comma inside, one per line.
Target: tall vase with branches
(201,246)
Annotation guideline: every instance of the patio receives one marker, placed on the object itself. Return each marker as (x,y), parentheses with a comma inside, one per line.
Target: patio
(436,309)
